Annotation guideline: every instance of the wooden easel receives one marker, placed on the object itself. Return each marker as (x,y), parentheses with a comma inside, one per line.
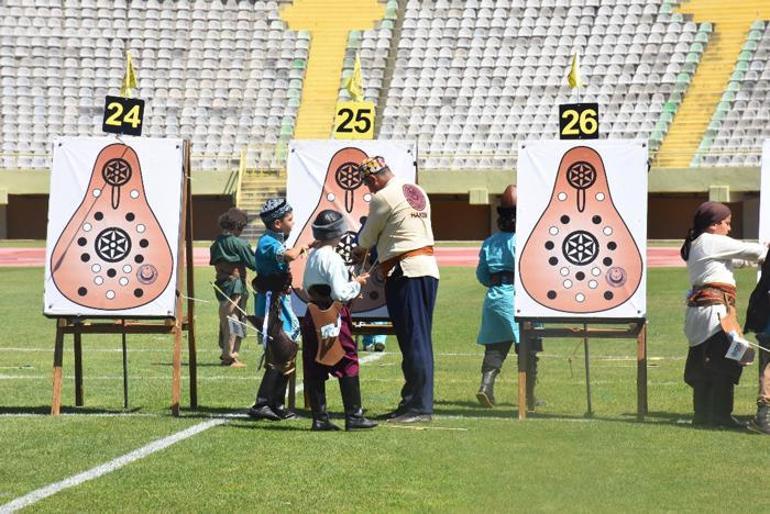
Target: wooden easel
(175,326)
(636,328)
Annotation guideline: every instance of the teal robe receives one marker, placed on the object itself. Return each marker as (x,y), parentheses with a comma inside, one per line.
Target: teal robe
(497,322)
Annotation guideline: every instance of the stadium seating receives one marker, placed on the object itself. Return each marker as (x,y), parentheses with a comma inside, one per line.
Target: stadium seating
(469,79)
(223,74)
(473,78)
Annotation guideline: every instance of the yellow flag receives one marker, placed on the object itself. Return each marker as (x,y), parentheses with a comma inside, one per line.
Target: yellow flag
(574,79)
(129,78)
(355,83)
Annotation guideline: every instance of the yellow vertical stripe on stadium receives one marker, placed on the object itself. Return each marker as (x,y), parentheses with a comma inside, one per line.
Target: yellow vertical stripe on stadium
(732,21)
(329,23)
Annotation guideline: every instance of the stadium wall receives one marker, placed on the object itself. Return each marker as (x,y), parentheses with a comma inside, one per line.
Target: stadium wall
(673,196)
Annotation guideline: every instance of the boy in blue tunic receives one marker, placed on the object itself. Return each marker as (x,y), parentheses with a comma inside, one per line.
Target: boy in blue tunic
(274,279)
(499,330)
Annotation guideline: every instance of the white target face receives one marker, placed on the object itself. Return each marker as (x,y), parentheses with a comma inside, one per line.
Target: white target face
(581,229)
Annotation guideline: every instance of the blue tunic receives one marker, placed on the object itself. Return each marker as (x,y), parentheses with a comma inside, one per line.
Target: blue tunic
(497,322)
(269,257)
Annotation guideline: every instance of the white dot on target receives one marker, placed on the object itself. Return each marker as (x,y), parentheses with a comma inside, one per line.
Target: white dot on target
(126,269)
(553,231)
(97,192)
(562,196)
(134,194)
(593,284)
(580,297)
(110,294)
(123,281)
(96,268)
(567,284)
(140,228)
(564,272)
(331,197)
(98,281)
(600,197)
(367,197)
(596,272)
(607,231)
(87,227)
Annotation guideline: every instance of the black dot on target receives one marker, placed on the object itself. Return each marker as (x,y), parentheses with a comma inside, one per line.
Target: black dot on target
(551,295)
(111,272)
(82,291)
(130,216)
(608,295)
(98,216)
(85,257)
(143,243)
(549,245)
(564,219)
(596,220)
(139,259)
(580,275)
(607,261)
(82,241)
(138,292)
(612,245)
(553,261)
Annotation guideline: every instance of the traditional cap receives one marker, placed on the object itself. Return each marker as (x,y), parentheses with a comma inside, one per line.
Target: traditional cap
(372,166)
(274,209)
(328,225)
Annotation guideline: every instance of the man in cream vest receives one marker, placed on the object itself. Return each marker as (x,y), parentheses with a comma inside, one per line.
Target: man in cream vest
(399,226)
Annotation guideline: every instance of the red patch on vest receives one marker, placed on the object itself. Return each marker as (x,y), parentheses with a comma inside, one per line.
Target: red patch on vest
(415,197)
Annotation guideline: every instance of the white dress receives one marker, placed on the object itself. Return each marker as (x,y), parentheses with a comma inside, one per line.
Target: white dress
(712,260)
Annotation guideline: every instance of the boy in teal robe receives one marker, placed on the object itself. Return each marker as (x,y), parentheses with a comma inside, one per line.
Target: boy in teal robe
(499,329)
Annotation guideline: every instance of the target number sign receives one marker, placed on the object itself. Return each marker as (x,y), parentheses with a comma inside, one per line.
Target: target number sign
(123,115)
(579,121)
(354,120)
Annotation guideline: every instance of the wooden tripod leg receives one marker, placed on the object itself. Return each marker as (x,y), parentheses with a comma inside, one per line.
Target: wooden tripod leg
(176,373)
(189,265)
(78,350)
(641,373)
(58,351)
(523,362)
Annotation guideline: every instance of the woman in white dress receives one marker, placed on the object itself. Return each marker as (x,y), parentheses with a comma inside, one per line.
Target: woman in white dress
(711,256)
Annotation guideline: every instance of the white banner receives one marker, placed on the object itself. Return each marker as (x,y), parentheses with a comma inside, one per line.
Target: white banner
(581,229)
(113,225)
(764,195)
(323,174)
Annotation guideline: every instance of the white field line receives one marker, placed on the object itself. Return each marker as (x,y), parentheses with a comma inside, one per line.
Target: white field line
(108,467)
(478,355)
(119,462)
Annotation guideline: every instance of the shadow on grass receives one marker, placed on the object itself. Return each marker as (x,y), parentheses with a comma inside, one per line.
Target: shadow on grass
(46,410)
(278,426)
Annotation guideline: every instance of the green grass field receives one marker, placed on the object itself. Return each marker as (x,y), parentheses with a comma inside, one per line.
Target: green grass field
(468,460)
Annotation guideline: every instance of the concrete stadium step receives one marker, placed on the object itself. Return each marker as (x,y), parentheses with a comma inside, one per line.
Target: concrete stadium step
(732,22)
(329,21)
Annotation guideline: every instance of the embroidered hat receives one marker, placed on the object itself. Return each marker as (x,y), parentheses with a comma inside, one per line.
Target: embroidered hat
(274,209)
(372,166)
(328,225)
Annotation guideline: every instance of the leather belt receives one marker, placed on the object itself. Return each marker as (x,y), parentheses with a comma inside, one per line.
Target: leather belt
(502,278)
(388,265)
